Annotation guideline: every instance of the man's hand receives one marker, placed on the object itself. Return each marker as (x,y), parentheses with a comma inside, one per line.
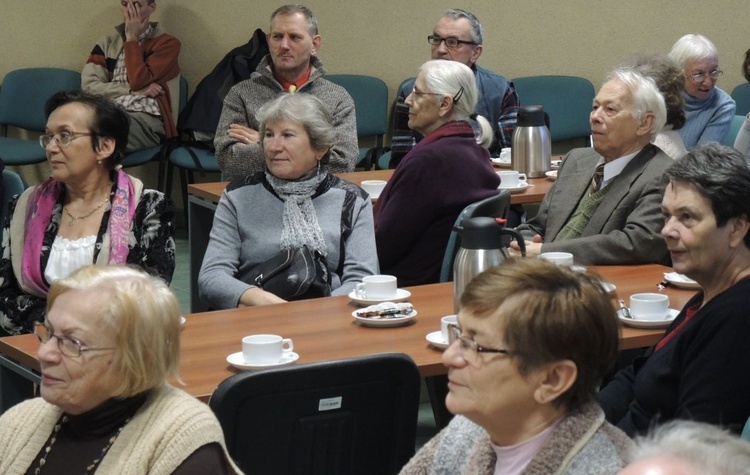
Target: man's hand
(257,296)
(134,23)
(533,247)
(243,134)
(152,90)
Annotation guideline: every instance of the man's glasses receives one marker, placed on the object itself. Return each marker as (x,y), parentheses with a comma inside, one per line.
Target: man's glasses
(700,77)
(451,42)
(470,349)
(63,139)
(69,347)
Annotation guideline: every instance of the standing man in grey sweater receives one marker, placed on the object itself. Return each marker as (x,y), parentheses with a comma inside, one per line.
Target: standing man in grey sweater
(291,67)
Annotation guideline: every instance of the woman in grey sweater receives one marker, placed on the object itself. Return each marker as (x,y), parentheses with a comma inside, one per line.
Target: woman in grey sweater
(293,203)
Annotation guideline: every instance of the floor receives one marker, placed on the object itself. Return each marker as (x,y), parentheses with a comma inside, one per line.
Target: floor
(426,427)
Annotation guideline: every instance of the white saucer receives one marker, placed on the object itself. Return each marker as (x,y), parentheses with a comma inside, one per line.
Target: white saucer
(649,323)
(608,287)
(681,281)
(501,163)
(238,361)
(522,185)
(436,340)
(182,320)
(551,175)
(385,322)
(401,295)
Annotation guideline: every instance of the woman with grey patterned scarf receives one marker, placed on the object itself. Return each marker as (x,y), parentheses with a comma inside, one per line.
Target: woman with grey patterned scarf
(295,202)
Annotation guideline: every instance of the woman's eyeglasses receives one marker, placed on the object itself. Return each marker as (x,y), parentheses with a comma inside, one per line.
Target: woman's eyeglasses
(700,77)
(63,139)
(470,349)
(68,346)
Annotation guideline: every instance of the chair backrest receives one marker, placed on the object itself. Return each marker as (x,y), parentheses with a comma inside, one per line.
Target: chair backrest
(370,96)
(348,416)
(24,92)
(496,206)
(567,100)
(741,96)
(734,129)
(13,185)
(746,431)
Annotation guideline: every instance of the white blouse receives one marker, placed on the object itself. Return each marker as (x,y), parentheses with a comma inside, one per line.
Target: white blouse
(67,256)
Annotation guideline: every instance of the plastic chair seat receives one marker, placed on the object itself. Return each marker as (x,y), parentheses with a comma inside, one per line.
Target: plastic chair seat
(180,157)
(21,152)
(140,157)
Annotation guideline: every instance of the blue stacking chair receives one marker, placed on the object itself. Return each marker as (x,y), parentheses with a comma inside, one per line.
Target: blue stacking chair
(734,129)
(370,96)
(22,97)
(13,185)
(567,100)
(741,96)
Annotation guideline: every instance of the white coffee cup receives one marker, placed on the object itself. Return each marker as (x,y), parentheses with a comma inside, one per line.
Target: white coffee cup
(511,178)
(444,322)
(377,287)
(265,349)
(505,154)
(559,258)
(373,187)
(649,306)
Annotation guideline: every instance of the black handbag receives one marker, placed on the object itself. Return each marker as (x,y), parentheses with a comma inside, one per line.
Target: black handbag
(294,274)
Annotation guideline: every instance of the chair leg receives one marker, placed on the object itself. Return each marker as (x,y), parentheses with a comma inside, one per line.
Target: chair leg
(183,188)
(437,388)
(169,181)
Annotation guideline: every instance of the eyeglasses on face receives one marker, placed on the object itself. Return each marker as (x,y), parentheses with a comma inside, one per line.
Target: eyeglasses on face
(63,139)
(458,95)
(470,349)
(69,347)
(451,42)
(700,77)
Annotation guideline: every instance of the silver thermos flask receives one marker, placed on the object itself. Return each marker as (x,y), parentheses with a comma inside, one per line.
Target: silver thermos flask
(532,145)
(482,247)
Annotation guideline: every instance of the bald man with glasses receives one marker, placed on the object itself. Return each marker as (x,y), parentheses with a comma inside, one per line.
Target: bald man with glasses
(458,36)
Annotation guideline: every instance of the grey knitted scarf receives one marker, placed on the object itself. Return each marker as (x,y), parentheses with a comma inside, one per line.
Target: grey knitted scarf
(299,223)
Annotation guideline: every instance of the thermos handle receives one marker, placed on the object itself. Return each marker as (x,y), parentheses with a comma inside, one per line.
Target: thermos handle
(546,121)
(517,236)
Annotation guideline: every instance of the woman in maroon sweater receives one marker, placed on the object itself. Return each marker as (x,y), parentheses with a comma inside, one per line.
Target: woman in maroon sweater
(446,171)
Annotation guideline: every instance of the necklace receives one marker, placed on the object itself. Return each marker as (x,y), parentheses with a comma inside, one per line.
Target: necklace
(73,219)
(93,465)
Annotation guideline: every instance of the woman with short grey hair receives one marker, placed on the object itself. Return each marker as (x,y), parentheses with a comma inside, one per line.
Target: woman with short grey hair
(294,204)
(709,110)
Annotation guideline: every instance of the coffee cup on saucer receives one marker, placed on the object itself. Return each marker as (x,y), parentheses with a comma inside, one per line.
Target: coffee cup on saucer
(559,258)
(649,306)
(511,178)
(444,324)
(265,349)
(377,287)
(505,155)
(373,187)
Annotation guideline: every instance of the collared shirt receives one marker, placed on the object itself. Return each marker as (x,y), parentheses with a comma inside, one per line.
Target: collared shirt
(615,167)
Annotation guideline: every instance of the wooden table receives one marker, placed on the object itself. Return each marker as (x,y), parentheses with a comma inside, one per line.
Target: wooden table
(323,329)
(203,198)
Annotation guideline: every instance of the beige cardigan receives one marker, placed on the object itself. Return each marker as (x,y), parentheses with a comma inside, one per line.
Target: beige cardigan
(169,427)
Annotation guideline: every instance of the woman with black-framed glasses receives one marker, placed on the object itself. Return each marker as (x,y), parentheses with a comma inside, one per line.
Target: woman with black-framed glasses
(532,344)
(708,110)
(109,341)
(89,211)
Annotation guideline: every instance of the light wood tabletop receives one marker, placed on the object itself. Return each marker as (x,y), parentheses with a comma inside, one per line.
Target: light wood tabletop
(211,192)
(323,329)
